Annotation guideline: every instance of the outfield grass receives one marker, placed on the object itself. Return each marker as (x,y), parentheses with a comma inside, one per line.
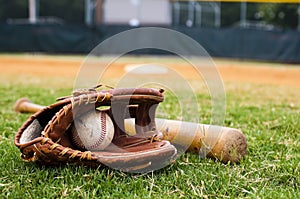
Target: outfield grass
(268,115)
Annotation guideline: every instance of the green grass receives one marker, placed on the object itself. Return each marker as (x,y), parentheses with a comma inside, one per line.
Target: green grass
(271,168)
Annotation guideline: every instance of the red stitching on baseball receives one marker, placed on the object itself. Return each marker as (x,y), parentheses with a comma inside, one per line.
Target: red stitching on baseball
(103,132)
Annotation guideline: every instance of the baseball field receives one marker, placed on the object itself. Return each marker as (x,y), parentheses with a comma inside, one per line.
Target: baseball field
(262,100)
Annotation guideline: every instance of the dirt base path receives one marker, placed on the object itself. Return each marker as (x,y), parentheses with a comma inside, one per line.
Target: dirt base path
(232,71)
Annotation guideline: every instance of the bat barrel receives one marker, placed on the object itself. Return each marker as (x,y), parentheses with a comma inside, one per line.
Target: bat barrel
(222,143)
(24,105)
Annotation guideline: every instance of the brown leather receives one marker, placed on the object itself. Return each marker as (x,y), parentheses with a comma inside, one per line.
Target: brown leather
(45,136)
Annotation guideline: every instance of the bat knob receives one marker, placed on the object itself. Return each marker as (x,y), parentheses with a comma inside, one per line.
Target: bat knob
(24,105)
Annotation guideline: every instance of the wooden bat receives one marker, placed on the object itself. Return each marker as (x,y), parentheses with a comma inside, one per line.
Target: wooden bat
(24,105)
(217,142)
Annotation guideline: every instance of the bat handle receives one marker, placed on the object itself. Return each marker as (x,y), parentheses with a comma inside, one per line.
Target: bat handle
(24,105)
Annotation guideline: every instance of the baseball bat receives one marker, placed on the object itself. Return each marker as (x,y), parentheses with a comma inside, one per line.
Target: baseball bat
(24,105)
(216,142)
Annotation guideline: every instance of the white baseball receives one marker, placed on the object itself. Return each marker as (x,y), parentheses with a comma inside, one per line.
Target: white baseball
(93,131)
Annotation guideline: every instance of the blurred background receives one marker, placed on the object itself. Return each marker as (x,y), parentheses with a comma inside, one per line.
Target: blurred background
(253,29)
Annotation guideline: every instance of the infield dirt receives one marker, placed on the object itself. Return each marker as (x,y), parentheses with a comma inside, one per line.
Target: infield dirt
(67,67)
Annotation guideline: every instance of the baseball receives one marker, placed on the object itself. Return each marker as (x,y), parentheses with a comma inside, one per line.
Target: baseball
(93,131)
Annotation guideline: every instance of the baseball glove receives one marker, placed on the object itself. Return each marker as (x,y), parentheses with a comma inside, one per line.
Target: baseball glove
(45,136)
